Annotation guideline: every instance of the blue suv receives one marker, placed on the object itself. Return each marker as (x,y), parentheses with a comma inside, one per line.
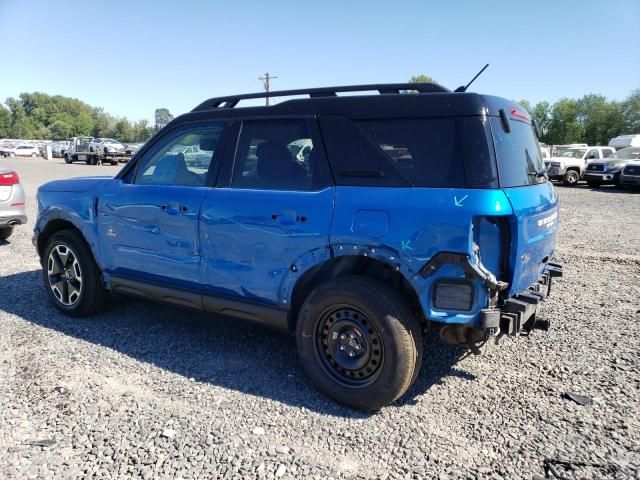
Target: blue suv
(354,221)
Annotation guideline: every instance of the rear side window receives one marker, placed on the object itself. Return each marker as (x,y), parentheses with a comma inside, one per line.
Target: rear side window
(277,155)
(424,152)
(518,154)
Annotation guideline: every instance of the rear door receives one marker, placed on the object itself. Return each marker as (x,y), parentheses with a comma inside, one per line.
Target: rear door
(272,207)
(534,223)
(148,220)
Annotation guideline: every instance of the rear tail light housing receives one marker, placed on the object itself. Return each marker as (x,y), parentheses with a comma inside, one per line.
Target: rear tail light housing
(8,179)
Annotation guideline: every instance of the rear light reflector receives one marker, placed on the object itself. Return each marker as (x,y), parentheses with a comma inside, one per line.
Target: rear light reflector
(453,295)
(18,204)
(10,178)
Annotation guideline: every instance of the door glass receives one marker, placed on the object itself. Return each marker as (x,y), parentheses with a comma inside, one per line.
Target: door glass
(275,155)
(183,158)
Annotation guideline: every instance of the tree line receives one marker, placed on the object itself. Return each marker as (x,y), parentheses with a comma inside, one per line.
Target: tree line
(592,119)
(45,117)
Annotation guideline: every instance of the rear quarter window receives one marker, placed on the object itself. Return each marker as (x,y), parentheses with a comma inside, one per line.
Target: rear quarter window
(441,152)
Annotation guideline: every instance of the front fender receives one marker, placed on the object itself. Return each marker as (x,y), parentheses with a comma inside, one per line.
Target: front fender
(78,210)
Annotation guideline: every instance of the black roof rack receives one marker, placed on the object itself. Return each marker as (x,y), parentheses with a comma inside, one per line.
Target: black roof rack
(383,88)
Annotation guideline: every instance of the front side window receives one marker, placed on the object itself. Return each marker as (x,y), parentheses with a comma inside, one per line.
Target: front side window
(275,155)
(183,158)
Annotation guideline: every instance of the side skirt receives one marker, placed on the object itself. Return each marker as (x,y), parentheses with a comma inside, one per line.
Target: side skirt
(229,307)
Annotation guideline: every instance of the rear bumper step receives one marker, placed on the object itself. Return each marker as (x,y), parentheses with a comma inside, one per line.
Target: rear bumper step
(518,314)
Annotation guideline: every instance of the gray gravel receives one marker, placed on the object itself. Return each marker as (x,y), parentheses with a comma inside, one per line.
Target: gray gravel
(149,391)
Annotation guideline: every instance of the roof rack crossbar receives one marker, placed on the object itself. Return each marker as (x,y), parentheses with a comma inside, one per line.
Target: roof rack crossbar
(383,89)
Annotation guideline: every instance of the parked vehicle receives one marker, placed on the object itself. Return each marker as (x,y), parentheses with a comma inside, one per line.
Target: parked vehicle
(132,148)
(630,175)
(558,150)
(451,225)
(625,141)
(607,171)
(570,167)
(80,150)
(21,151)
(106,145)
(58,149)
(12,203)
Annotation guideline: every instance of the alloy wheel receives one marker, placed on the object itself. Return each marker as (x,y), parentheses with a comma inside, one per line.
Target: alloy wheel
(65,275)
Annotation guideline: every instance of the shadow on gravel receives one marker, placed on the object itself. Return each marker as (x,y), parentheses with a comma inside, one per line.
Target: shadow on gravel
(224,352)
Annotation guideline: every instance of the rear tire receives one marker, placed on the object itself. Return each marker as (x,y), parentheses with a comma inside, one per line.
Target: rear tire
(71,276)
(34,155)
(359,342)
(571,178)
(5,232)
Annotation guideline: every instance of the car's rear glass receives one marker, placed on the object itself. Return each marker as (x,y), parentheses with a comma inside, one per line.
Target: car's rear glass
(426,152)
(518,154)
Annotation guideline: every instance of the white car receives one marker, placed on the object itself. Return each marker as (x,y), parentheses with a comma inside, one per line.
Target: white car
(21,151)
(106,145)
(570,166)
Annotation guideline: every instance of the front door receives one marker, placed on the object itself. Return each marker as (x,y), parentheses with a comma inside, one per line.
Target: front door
(271,215)
(148,220)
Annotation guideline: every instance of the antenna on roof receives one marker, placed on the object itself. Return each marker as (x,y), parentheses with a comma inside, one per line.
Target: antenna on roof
(464,89)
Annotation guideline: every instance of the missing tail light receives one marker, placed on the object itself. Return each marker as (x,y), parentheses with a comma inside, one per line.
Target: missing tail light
(453,295)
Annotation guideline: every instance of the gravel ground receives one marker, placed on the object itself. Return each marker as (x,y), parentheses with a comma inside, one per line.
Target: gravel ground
(149,391)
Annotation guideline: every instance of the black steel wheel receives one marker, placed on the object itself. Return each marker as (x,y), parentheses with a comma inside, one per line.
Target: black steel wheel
(349,345)
(359,342)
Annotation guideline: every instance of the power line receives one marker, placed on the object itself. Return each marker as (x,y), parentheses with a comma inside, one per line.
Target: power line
(265,82)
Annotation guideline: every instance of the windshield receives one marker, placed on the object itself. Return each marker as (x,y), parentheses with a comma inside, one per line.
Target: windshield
(574,153)
(628,153)
(518,154)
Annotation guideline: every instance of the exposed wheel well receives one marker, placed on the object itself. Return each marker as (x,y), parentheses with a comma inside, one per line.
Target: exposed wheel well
(352,265)
(50,229)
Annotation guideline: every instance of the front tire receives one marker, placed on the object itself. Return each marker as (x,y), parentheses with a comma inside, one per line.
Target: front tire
(71,276)
(67,159)
(571,178)
(359,342)
(5,232)
(34,155)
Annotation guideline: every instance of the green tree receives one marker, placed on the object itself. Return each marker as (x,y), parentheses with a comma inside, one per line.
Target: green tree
(123,131)
(5,121)
(630,109)
(142,131)
(422,79)
(564,126)
(163,116)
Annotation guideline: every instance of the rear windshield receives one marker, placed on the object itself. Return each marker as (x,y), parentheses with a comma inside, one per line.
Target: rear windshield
(423,152)
(518,154)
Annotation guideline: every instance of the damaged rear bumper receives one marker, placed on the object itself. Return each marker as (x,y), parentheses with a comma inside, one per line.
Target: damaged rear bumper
(518,314)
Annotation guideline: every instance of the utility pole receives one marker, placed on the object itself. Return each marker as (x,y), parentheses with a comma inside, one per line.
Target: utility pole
(265,83)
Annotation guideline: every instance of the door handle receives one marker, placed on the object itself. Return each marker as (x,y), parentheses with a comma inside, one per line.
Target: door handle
(173,208)
(288,217)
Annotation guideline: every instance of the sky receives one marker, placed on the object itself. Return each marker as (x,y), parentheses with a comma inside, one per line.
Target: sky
(133,56)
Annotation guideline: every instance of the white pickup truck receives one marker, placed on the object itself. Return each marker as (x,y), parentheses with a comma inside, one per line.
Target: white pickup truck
(571,165)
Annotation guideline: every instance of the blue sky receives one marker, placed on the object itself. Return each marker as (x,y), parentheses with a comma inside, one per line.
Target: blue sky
(133,56)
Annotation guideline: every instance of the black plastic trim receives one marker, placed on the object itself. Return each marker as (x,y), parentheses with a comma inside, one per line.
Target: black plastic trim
(230,307)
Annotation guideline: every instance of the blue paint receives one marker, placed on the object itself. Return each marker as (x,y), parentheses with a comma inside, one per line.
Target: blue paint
(255,244)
